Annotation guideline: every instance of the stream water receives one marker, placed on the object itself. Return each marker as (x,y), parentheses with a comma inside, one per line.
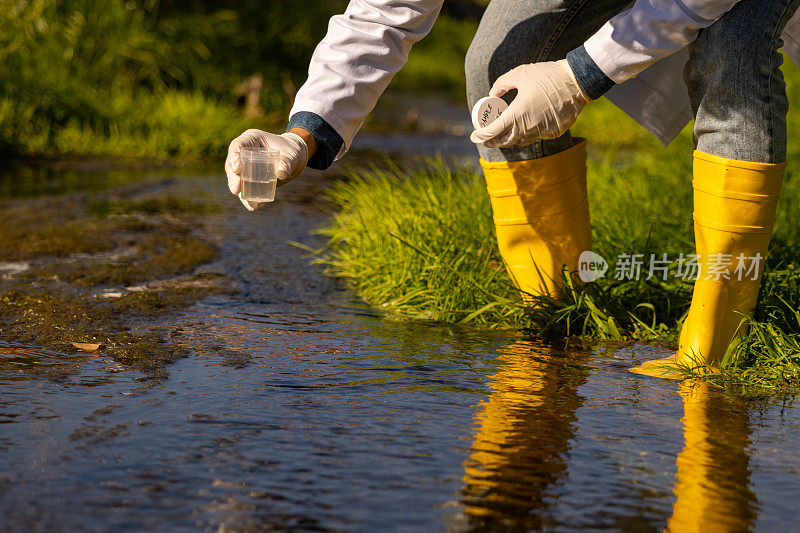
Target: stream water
(302,409)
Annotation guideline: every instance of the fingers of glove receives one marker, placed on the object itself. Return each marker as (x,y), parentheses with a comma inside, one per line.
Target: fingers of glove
(559,123)
(284,174)
(283,169)
(234,183)
(500,126)
(233,169)
(254,138)
(504,83)
(505,140)
(490,141)
(294,157)
(249,205)
(233,162)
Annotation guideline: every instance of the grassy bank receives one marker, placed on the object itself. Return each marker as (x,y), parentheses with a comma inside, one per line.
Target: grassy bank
(159,78)
(421,244)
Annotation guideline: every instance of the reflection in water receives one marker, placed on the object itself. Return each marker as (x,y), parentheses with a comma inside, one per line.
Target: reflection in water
(527,424)
(524,432)
(713,486)
(27,178)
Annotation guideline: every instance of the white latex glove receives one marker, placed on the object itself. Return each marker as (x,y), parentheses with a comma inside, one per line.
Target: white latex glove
(294,156)
(547,104)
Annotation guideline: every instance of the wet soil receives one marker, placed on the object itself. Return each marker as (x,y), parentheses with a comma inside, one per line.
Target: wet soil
(99,267)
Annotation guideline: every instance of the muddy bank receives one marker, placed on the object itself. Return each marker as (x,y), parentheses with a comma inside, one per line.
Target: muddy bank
(100,268)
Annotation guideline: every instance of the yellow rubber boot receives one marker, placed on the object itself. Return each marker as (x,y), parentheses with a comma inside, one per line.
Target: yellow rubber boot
(541,216)
(734,211)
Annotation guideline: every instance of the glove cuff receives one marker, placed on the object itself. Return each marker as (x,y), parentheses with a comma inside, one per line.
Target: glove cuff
(566,66)
(590,78)
(329,143)
(299,140)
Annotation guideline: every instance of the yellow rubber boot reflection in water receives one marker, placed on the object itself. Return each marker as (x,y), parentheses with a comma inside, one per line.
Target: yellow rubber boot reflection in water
(524,428)
(712,492)
(541,216)
(734,211)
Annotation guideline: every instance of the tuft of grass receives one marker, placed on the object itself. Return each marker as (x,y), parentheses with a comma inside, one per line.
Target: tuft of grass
(421,245)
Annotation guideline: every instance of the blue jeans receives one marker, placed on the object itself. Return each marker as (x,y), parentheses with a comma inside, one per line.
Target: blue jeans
(733,75)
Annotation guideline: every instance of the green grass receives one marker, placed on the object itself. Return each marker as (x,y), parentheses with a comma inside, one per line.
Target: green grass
(420,244)
(148,78)
(94,77)
(158,78)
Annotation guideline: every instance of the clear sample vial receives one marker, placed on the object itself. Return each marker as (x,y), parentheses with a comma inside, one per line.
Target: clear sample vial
(259,178)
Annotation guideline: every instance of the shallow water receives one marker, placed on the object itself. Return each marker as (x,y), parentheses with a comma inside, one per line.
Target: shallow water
(302,409)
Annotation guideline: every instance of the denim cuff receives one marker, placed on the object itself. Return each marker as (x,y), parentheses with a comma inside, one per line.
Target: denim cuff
(328,141)
(592,80)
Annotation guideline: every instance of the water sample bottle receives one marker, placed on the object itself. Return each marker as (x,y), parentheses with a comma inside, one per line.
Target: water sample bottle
(487,110)
(258,174)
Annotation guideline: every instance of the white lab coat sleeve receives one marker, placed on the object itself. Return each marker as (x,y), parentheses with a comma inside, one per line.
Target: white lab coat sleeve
(791,38)
(649,31)
(362,51)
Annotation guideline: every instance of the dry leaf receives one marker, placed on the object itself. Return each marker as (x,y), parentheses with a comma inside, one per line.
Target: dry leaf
(86,346)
